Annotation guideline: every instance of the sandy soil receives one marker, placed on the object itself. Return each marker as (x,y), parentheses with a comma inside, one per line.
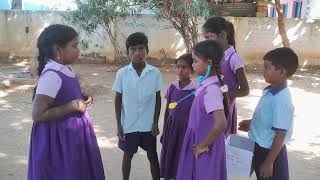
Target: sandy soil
(16,88)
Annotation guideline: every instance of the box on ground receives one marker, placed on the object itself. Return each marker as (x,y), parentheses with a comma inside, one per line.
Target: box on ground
(239,153)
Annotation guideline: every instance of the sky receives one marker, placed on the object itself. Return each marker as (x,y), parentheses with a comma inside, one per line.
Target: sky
(315,10)
(61,5)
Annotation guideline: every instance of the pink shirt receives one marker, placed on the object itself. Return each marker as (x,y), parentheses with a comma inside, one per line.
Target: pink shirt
(50,83)
(175,83)
(235,61)
(213,98)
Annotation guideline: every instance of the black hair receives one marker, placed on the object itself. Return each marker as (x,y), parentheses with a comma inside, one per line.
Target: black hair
(186,58)
(219,24)
(215,25)
(52,37)
(212,50)
(284,58)
(137,38)
(231,34)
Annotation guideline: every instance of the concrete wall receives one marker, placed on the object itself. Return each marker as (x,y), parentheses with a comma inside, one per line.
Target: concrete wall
(15,42)
(254,36)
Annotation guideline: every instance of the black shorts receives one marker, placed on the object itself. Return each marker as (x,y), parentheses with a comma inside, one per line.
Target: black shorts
(280,166)
(132,141)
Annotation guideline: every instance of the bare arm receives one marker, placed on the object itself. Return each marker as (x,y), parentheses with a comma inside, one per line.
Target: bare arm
(117,107)
(42,110)
(218,128)
(276,146)
(155,126)
(266,169)
(214,133)
(157,109)
(243,85)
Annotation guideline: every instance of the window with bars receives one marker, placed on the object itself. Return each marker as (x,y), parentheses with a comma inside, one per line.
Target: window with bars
(297,6)
(285,9)
(273,12)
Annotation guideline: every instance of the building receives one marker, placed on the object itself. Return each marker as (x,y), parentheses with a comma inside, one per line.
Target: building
(291,8)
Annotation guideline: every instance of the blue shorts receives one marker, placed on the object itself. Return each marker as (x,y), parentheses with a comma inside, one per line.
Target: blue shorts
(132,141)
(280,166)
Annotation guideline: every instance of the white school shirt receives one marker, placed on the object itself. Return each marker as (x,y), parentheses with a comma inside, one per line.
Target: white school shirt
(138,97)
(50,82)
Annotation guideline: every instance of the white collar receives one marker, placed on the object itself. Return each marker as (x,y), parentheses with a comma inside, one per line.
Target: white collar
(65,69)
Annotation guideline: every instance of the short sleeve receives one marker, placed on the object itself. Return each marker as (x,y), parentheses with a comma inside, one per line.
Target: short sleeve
(49,84)
(213,99)
(117,86)
(159,83)
(283,111)
(236,62)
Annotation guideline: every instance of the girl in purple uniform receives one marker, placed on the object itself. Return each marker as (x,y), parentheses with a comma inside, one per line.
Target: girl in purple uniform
(176,120)
(222,31)
(63,144)
(203,154)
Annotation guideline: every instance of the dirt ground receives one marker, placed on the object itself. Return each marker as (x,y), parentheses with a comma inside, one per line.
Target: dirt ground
(16,88)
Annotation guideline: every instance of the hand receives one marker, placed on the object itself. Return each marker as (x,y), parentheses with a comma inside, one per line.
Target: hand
(155,130)
(266,169)
(120,133)
(199,149)
(88,100)
(79,105)
(244,125)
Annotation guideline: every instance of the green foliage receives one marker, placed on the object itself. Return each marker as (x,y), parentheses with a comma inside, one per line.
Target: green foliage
(84,44)
(90,14)
(183,15)
(182,8)
(93,14)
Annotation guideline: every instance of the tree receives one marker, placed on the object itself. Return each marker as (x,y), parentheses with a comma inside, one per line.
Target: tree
(310,4)
(183,15)
(92,14)
(281,25)
(16,4)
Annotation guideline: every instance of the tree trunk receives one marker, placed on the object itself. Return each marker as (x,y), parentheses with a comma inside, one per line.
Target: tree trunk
(190,36)
(281,25)
(117,50)
(187,41)
(16,4)
(116,46)
(194,31)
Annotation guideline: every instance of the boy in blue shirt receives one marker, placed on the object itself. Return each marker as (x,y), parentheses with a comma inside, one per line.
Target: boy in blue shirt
(272,122)
(137,105)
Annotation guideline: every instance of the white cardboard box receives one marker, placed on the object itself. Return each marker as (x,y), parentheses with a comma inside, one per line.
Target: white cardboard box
(239,153)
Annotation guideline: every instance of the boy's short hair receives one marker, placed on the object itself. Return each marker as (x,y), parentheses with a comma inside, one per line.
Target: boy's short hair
(137,38)
(284,58)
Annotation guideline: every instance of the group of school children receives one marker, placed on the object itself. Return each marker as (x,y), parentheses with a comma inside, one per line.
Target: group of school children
(198,116)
